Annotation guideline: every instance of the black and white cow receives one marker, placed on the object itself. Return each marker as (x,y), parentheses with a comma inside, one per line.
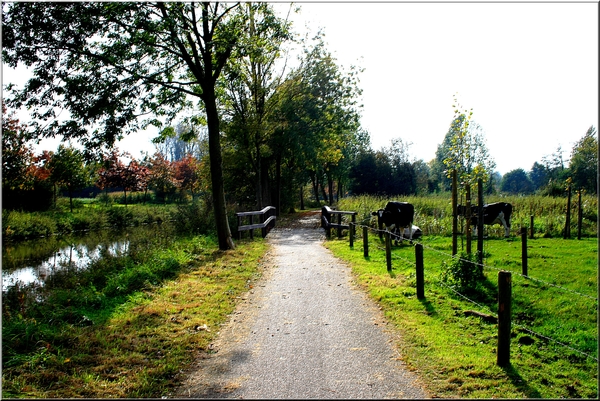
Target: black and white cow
(493,213)
(398,218)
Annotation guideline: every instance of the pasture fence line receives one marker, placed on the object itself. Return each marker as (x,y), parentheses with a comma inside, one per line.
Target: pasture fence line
(503,317)
(484,266)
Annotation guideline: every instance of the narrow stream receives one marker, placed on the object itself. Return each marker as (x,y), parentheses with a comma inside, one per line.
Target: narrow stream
(33,262)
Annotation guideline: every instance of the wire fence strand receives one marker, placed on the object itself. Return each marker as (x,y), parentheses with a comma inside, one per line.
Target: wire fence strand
(484,307)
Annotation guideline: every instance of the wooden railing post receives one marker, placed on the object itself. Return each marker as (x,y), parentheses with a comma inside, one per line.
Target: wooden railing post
(267,221)
(420,273)
(504,317)
(352,235)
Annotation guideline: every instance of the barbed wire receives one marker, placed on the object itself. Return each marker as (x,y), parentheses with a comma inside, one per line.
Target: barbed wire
(515,273)
(516,324)
(483,307)
(465,297)
(556,341)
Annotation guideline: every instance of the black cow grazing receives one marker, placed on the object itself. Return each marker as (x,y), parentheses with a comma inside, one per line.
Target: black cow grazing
(397,216)
(494,213)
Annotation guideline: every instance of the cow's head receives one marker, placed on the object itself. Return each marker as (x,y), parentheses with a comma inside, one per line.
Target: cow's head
(461,210)
(383,217)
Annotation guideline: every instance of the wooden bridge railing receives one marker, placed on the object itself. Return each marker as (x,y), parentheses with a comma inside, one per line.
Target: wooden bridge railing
(266,218)
(328,217)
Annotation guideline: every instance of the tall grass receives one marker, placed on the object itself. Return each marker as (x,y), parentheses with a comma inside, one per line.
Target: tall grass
(433,213)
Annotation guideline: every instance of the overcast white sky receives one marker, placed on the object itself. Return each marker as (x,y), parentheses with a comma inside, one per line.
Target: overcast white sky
(528,70)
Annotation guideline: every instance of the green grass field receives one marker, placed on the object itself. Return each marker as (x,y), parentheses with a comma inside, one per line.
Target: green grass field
(554,345)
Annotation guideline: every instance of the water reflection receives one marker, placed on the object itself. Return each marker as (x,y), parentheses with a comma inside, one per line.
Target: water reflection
(32,262)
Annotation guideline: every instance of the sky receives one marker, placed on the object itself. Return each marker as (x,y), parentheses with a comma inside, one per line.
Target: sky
(529,71)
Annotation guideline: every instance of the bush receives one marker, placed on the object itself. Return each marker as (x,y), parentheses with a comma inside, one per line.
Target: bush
(463,273)
(19,226)
(119,217)
(193,219)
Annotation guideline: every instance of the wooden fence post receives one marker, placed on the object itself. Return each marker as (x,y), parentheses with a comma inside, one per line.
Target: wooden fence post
(339,230)
(468,217)
(351,235)
(239,218)
(504,317)
(420,273)
(454,213)
(388,250)
(366,242)
(579,215)
(480,222)
(251,231)
(524,250)
(531,229)
(567,233)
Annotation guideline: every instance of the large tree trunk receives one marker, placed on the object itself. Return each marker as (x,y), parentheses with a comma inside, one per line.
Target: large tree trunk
(216,171)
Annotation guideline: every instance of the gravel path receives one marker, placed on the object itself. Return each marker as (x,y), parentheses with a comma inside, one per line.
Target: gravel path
(304,331)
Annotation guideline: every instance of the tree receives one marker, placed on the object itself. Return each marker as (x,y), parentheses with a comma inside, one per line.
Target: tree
(538,175)
(516,182)
(187,174)
(110,63)
(557,173)
(115,174)
(250,80)
(364,174)
(467,154)
(332,110)
(17,154)
(584,162)
(67,169)
(161,178)
(404,178)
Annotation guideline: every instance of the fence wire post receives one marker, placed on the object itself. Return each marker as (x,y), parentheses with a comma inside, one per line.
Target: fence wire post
(531,229)
(420,273)
(524,249)
(366,242)
(504,316)
(388,250)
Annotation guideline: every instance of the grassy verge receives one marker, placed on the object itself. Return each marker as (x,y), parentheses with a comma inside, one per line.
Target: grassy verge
(128,333)
(455,353)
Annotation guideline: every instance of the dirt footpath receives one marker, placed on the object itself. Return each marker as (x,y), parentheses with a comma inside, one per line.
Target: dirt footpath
(304,331)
